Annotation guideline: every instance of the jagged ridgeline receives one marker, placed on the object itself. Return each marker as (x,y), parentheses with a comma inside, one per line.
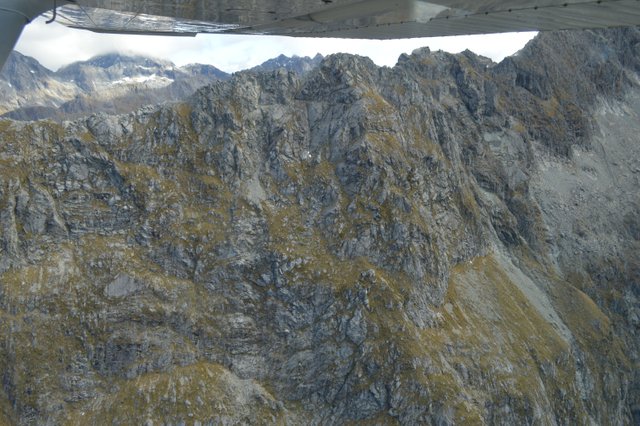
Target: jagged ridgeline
(110,83)
(449,241)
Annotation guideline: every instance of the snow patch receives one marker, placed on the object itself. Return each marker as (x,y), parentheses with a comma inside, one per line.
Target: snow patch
(153,78)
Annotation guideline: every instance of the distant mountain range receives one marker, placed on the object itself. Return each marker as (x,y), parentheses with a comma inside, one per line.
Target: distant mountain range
(111,83)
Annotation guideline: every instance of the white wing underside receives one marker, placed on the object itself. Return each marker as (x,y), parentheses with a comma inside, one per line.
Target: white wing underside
(370,19)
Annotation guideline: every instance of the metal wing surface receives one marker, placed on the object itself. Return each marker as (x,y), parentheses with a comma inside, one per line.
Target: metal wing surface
(367,19)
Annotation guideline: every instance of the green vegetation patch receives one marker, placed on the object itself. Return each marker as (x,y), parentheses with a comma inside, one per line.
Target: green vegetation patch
(203,392)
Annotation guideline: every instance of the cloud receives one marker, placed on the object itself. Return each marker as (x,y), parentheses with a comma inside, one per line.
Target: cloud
(55,45)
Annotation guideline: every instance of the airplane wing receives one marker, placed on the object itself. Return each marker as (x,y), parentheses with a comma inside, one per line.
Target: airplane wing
(368,19)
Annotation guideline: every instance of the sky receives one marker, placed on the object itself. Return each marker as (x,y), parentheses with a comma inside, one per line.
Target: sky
(55,45)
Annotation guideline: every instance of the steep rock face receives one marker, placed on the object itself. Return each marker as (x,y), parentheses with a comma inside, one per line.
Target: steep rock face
(443,242)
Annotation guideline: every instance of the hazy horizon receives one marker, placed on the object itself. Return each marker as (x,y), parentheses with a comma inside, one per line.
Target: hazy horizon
(55,46)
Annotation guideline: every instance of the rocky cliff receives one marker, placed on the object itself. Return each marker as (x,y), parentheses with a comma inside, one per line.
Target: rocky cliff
(449,241)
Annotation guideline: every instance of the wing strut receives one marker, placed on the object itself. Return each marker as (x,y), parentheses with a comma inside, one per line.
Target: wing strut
(14,15)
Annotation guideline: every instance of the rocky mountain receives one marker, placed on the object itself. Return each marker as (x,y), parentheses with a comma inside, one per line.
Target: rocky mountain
(111,83)
(297,64)
(24,82)
(448,241)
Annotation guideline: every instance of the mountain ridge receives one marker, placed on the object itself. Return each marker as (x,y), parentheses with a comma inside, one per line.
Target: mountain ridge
(112,83)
